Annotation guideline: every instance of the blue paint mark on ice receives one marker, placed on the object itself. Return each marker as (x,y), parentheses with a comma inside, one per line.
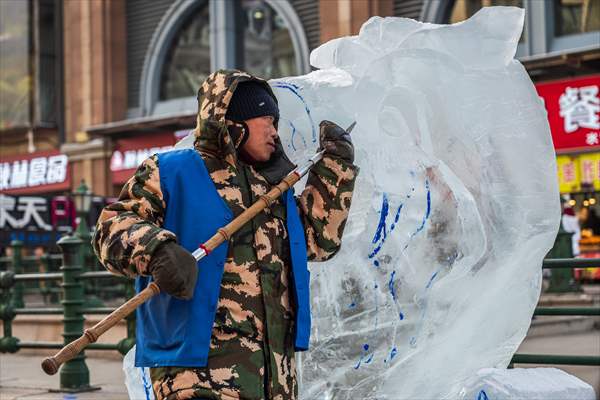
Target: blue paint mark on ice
(397,217)
(425,217)
(431,279)
(381,233)
(295,89)
(294,135)
(392,355)
(381,228)
(363,355)
(357,366)
(427,211)
(391,285)
(393,291)
(482,395)
(376,250)
(293,85)
(352,305)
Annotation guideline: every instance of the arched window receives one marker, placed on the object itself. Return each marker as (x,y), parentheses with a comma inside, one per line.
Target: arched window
(194,38)
(573,17)
(265,41)
(187,61)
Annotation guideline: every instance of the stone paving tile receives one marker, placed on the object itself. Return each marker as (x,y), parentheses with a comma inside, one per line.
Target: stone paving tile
(21,378)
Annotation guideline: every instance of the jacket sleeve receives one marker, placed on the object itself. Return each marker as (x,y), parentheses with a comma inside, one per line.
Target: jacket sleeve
(324,206)
(129,230)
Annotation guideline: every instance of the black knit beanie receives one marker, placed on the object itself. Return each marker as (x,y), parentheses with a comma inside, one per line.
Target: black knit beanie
(250,100)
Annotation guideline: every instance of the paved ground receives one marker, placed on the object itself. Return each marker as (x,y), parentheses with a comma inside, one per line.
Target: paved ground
(21,378)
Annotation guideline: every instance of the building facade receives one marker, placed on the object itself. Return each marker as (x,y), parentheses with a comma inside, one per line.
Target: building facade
(91,88)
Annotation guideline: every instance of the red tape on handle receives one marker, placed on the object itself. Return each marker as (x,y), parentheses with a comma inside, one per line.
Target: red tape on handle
(203,247)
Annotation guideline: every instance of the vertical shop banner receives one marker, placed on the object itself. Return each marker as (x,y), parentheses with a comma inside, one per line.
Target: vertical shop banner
(589,171)
(568,174)
(573,108)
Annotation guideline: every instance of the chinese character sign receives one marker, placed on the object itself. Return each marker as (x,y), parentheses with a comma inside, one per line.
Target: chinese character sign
(29,219)
(41,220)
(129,153)
(590,171)
(578,173)
(579,108)
(568,174)
(25,212)
(36,173)
(573,111)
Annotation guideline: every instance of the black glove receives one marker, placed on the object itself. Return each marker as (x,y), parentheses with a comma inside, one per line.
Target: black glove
(336,141)
(174,270)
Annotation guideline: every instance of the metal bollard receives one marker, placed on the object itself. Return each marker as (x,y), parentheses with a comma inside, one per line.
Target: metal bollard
(90,287)
(74,375)
(562,279)
(8,343)
(17,263)
(45,286)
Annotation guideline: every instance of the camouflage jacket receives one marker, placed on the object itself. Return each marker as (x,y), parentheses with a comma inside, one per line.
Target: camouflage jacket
(251,355)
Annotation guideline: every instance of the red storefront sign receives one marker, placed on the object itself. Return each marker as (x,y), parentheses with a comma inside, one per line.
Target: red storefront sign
(129,153)
(40,172)
(573,107)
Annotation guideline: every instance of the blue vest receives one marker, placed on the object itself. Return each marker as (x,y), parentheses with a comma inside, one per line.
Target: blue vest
(173,332)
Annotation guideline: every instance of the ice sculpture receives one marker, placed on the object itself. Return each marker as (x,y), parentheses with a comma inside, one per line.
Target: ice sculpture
(454,209)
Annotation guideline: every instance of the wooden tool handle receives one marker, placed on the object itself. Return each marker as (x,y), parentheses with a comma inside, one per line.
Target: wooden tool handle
(265,201)
(51,364)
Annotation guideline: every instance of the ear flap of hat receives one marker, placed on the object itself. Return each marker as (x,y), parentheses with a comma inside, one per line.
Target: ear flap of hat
(238,132)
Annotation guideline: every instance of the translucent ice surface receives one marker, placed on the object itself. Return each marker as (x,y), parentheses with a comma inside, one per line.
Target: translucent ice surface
(526,383)
(454,209)
(455,206)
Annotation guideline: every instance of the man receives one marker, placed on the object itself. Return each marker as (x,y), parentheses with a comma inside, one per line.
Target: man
(232,332)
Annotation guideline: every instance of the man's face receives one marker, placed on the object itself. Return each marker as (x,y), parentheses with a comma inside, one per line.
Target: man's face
(261,140)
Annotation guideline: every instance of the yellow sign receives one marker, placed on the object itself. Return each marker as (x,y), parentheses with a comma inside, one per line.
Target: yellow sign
(568,174)
(577,173)
(590,170)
